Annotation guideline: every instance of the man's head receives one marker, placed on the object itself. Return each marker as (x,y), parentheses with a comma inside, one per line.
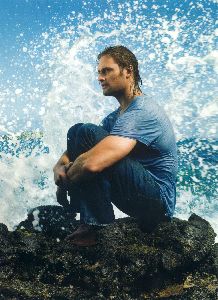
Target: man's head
(117,69)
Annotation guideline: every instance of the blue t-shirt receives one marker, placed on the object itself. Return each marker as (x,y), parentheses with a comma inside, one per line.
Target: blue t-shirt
(145,121)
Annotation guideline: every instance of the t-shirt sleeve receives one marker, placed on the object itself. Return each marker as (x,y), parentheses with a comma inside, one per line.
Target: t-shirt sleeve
(138,124)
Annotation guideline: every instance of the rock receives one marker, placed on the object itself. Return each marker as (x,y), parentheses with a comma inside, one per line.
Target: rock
(3,229)
(54,221)
(178,260)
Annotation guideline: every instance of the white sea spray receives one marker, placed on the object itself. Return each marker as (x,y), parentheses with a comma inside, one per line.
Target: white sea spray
(35,222)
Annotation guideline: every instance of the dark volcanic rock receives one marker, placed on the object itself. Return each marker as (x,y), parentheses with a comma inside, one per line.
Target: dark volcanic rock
(178,260)
(53,221)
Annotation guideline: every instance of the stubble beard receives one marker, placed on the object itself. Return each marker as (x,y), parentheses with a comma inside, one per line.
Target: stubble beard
(112,93)
(107,93)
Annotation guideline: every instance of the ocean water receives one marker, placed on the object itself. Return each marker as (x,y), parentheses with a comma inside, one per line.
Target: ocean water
(55,85)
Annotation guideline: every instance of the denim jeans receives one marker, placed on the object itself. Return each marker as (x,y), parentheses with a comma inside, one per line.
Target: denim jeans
(126,184)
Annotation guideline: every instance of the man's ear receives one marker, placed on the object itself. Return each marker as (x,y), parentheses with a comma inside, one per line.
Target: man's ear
(129,70)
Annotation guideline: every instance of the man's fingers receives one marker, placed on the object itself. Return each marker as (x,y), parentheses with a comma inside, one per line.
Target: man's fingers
(65,182)
(67,167)
(62,181)
(58,177)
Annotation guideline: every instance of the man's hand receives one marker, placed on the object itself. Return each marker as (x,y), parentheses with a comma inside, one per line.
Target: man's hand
(77,170)
(60,170)
(60,175)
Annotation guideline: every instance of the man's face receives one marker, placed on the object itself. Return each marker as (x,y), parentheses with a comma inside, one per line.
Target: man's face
(112,79)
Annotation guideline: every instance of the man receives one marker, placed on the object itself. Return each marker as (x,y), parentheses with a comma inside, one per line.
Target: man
(129,161)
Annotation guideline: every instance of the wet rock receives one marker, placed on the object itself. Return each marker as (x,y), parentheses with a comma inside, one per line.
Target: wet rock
(3,230)
(55,221)
(178,260)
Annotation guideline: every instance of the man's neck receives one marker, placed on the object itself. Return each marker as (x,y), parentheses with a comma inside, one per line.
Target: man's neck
(125,100)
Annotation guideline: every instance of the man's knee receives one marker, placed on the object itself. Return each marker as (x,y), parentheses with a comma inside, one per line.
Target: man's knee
(87,128)
(85,135)
(73,131)
(92,132)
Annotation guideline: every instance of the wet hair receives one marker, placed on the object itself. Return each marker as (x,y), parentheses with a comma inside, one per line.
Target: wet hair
(124,58)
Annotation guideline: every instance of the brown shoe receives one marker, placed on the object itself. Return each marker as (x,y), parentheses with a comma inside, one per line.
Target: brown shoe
(85,235)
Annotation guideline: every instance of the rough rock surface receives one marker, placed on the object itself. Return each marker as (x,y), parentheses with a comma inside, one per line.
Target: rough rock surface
(178,260)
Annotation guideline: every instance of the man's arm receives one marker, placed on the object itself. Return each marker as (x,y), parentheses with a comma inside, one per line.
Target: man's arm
(103,155)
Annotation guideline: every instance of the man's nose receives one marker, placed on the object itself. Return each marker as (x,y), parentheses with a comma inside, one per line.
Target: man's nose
(101,77)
